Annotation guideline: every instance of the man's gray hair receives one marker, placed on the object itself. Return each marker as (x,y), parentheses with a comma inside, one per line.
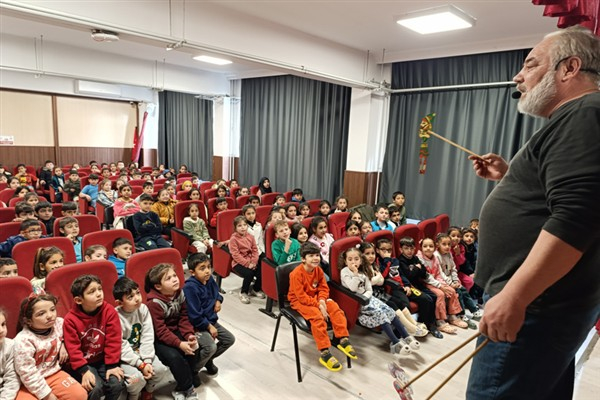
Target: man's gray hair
(581,42)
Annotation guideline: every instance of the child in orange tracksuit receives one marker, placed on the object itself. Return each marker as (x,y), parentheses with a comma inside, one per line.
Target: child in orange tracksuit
(309,295)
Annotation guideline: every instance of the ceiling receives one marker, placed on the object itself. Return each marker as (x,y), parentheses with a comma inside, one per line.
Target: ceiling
(362,25)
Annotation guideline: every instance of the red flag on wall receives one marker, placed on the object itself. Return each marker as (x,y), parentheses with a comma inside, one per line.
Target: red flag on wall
(138,140)
(573,12)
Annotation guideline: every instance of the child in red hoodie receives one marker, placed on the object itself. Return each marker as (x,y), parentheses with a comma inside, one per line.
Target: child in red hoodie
(92,335)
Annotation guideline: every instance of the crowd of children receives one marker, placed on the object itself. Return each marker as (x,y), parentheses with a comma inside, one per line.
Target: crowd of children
(178,329)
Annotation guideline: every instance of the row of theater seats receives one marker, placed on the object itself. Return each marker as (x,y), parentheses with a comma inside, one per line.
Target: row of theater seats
(58,282)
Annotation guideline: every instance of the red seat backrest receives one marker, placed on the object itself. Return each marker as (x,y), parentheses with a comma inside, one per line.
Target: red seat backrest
(24,253)
(209,194)
(13,290)
(410,230)
(306,222)
(181,211)
(337,248)
(337,224)
(262,214)
(136,190)
(428,228)
(60,280)
(140,263)
(225,224)
(241,201)
(159,182)
(106,239)
(87,223)
(13,202)
(288,196)
(184,176)
(205,186)
(183,195)
(137,182)
(212,206)
(253,189)
(314,205)
(6,195)
(7,214)
(8,229)
(443,223)
(3,185)
(268,199)
(57,209)
(374,237)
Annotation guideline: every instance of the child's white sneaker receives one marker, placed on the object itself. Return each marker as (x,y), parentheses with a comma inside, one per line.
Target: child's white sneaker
(477,315)
(244,298)
(260,294)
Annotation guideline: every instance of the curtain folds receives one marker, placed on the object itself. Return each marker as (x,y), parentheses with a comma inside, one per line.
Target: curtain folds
(483,120)
(294,131)
(185,132)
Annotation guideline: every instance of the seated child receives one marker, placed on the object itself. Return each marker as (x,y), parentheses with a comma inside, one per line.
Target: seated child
(46,259)
(244,191)
(9,380)
(298,195)
(382,216)
(254,201)
(399,199)
(284,249)
(95,252)
(69,209)
(165,209)
(449,274)
(43,211)
(25,178)
(376,313)
(324,209)
(45,175)
(395,216)
(352,228)
(29,230)
(320,237)
(32,199)
(365,229)
(291,212)
(175,343)
(309,295)
(413,270)
(469,241)
(221,205)
(106,195)
(341,204)
(204,302)
(194,226)
(23,211)
(403,292)
(254,228)
(8,268)
(142,369)
(279,200)
(58,183)
(147,188)
(300,233)
(122,249)
(72,186)
(446,297)
(244,255)
(92,334)
(90,191)
(39,353)
(303,211)
(69,227)
(124,206)
(148,227)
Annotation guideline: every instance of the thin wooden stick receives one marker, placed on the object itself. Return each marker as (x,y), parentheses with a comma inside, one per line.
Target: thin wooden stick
(455,371)
(458,146)
(426,370)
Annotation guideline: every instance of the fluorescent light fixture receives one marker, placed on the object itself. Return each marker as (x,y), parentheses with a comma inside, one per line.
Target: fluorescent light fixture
(212,60)
(437,19)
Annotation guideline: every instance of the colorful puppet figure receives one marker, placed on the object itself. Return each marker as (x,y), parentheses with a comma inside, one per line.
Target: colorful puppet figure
(424,128)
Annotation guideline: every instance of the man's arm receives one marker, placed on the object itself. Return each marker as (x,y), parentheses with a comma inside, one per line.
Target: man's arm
(549,260)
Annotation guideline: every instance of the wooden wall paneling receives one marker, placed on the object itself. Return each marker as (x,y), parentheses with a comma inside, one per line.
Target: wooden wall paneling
(10,156)
(360,187)
(149,157)
(217,168)
(83,155)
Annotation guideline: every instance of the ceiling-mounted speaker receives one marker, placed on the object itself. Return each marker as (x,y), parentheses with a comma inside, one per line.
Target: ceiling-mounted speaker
(104,36)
